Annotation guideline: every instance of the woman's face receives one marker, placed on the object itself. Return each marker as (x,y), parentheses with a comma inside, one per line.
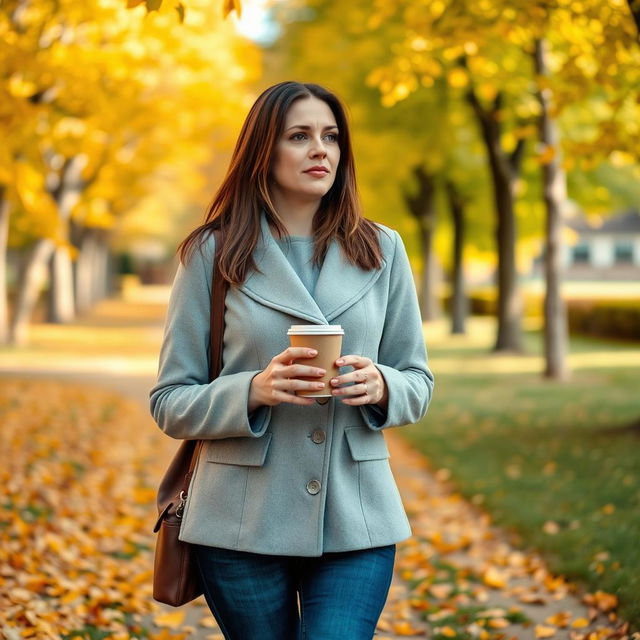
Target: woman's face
(307,153)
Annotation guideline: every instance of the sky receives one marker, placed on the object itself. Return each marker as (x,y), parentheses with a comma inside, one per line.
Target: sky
(256,23)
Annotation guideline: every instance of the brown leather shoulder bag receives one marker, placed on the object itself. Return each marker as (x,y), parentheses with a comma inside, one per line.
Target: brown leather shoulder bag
(175,574)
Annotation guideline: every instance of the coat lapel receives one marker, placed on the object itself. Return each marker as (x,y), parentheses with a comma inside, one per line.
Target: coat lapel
(277,285)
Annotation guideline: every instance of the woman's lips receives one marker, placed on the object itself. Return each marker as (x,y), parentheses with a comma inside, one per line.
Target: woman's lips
(317,174)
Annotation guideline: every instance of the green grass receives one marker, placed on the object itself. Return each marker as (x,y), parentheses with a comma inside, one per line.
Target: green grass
(531,451)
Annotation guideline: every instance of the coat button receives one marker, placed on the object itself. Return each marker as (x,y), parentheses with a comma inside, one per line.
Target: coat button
(313,487)
(318,436)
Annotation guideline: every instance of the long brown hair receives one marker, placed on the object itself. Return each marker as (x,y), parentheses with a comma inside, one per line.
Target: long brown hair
(244,192)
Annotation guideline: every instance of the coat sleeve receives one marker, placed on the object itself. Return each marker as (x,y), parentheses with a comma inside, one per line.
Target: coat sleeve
(402,355)
(183,402)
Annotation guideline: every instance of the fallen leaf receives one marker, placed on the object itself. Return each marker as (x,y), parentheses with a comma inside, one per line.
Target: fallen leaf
(551,528)
(560,619)
(544,632)
(602,601)
(497,623)
(208,622)
(406,629)
(532,598)
(492,577)
(580,623)
(171,619)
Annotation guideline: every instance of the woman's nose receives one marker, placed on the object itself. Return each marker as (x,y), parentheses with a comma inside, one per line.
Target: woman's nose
(318,148)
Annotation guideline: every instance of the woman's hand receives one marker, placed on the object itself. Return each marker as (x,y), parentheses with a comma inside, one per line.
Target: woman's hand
(369,387)
(279,381)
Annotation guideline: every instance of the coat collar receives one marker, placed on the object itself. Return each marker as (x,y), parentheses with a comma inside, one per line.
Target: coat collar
(277,285)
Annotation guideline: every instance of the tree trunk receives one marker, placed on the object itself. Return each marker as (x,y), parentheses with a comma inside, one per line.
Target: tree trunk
(28,290)
(69,185)
(61,307)
(555,195)
(459,302)
(4,235)
(422,208)
(504,169)
(85,267)
(101,283)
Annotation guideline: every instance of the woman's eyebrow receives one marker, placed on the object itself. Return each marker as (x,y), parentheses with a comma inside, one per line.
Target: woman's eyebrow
(306,126)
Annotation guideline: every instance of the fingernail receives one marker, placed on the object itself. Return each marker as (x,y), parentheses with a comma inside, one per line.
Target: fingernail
(312,352)
(320,372)
(334,381)
(319,385)
(339,361)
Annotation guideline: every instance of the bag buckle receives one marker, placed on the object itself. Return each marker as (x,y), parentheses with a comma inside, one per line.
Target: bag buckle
(180,509)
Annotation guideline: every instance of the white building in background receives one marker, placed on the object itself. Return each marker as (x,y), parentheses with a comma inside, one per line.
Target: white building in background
(606,251)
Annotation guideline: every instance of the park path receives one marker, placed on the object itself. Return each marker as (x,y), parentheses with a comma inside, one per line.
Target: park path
(456,564)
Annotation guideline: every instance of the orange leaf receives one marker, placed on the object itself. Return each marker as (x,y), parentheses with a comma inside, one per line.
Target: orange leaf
(498,623)
(603,601)
(406,629)
(494,578)
(171,619)
(545,632)
(560,619)
(580,623)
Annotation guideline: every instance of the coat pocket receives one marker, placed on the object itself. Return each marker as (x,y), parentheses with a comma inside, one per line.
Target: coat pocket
(246,452)
(366,444)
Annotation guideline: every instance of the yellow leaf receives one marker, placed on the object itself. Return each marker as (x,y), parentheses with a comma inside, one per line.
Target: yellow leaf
(144,495)
(608,509)
(448,632)
(498,623)
(458,78)
(547,154)
(406,629)
(560,619)
(580,623)
(441,591)
(605,602)
(208,622)
(494,578)
(171,619)
(545,632)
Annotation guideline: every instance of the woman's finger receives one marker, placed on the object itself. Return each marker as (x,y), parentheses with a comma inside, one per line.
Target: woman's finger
(359,375)
(354,361)
(299,371)
(293,353)
(293,384)
(350,390)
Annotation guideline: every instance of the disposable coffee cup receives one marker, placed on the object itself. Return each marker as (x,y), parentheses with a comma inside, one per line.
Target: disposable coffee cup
(326,339)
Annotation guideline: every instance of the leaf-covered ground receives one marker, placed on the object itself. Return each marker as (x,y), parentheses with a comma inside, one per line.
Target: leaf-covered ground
(79,467)
(80,464)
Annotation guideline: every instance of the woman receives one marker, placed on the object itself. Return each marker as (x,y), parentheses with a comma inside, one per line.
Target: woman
(292,498)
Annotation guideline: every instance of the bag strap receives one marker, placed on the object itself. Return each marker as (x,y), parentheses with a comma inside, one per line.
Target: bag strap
(219,288)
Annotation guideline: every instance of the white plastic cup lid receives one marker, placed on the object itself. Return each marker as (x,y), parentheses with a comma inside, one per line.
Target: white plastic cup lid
(315,330)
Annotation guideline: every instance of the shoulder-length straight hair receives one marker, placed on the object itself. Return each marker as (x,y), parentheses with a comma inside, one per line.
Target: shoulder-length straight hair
(244,192)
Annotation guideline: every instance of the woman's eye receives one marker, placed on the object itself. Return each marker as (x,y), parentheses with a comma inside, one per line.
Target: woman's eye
(298,136)
(333,137)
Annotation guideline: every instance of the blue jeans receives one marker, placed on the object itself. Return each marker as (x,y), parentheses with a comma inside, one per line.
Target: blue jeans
(255,597)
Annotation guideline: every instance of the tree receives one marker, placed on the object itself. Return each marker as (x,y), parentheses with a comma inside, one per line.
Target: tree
(490,42)
(100,112)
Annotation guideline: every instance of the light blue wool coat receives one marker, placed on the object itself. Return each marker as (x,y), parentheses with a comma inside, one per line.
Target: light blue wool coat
(289,479)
